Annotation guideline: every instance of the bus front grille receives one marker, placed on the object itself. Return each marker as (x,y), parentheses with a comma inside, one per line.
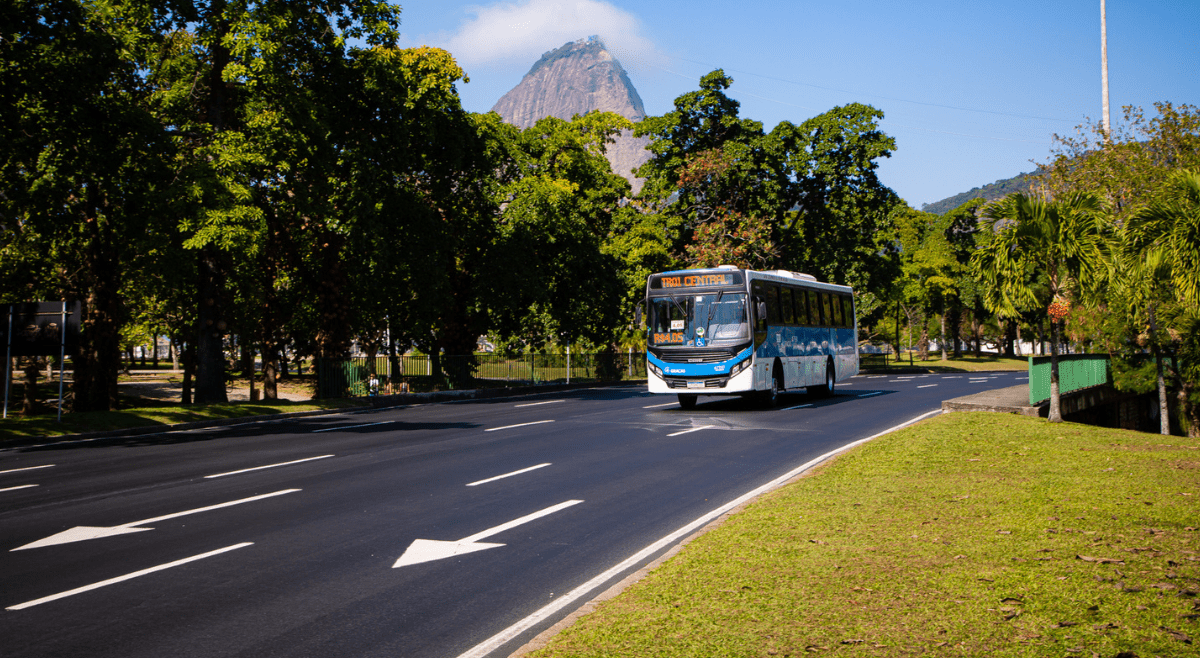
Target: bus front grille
(708,383)
(696,356)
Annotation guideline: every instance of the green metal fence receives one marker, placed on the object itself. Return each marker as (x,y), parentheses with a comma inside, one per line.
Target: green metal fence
(352,377)
(1075,372)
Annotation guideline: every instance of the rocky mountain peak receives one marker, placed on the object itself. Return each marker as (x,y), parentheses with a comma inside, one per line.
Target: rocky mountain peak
(577,78)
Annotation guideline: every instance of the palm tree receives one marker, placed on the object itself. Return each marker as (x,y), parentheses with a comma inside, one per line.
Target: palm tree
(1164,240)
(1065,240)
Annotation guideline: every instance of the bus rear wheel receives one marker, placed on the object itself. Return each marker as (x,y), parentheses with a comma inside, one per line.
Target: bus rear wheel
(687,401)
(826,388)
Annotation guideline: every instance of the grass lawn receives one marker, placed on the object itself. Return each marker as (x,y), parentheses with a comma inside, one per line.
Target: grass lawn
(969,534)
(160,414)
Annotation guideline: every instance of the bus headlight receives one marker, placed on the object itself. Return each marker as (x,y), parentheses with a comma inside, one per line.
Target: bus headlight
(654,369)
(745,363)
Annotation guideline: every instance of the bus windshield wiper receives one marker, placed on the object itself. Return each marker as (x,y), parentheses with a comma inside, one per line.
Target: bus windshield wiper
(713,309)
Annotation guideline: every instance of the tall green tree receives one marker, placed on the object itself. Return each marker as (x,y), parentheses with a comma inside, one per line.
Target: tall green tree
(1163,249)
(85,166)
(1066,240)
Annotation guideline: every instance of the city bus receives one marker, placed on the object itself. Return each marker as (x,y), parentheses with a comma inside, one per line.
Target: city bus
(733,331)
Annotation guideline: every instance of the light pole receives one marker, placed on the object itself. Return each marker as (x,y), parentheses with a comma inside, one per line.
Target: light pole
(1104,71)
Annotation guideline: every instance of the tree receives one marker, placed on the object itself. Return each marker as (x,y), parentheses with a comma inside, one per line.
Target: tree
(804,197)
(1163,250)
(1066,240)
(85,166)
(1127,167)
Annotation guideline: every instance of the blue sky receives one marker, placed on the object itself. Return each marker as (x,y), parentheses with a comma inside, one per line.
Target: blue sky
(972,92)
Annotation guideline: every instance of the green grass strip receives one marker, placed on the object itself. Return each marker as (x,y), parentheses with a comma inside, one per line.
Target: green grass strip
(968,534)
(99,421)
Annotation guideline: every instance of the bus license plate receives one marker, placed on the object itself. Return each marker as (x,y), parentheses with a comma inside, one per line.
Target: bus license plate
(695,384)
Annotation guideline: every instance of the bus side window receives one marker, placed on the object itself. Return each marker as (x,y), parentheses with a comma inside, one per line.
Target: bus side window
(848,311)
(759,295)
(773,304)
(814,309)
(799,298)
(836,302)
(785,305)
(826,315)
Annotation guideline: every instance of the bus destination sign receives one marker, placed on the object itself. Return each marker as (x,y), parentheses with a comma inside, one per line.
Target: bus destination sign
(700,280)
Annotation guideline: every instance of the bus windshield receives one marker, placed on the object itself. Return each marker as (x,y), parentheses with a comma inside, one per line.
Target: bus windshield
(699,320)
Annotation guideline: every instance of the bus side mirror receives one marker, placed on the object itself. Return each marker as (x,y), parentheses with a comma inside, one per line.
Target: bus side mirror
(762,311)
(637,316)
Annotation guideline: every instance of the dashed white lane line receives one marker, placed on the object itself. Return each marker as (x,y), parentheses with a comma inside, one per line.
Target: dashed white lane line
(27,468)
(694,429)
(121,579)
(799,406)
(509,427)
(927,385)
(259,468)
(867,395)
(23,486)
(508,475)
(350,427)
(655,406)
(534,404)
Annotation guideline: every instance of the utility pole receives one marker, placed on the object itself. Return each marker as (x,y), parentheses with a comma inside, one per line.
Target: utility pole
(1104,70)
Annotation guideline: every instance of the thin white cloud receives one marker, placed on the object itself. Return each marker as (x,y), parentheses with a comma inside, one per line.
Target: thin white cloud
(519,32)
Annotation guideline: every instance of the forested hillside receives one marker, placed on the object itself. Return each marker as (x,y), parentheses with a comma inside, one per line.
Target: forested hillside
(990,192)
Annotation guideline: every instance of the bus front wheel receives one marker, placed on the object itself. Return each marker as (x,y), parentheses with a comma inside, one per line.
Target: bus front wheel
(687,401)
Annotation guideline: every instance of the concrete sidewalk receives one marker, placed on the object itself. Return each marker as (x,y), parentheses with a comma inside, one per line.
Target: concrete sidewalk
(1011,400)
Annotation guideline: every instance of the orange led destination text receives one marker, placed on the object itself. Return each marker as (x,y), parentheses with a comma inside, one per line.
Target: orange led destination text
(695,280)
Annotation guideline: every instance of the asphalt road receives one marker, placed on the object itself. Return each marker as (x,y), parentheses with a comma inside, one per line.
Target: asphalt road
(419,531)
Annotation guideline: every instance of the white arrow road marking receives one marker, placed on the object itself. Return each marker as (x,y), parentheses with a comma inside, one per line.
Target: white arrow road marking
(119,579)
(82,533)
(427,550)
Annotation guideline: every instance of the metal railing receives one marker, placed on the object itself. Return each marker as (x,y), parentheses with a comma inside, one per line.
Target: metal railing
(352,377)
(1075,373)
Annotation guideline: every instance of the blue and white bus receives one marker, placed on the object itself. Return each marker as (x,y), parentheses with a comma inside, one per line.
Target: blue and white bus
(732,331)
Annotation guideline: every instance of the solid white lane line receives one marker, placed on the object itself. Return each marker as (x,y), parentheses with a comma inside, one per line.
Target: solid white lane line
(350,427)
(534,404)
(506,475)
(23,486)
(259,468)
(799,406)
(27,468)
(119,579)
(867,395)
(927,386)
(694,429)
(655,406)
(509,427)
(503,637)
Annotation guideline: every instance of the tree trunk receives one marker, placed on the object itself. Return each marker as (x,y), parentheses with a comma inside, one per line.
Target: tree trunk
(1164,415)
(270,376)
(942,339)
(1055,399)
(1010,333)
(210,327)
(189,371)
(32,370)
